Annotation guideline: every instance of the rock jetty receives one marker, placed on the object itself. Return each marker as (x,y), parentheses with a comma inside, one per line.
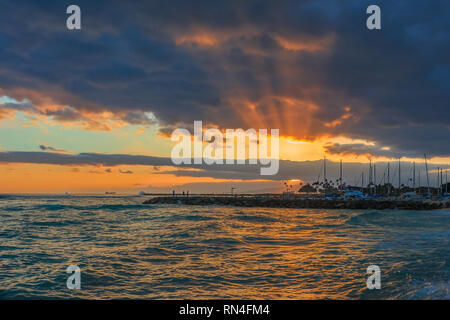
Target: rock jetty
(272,202)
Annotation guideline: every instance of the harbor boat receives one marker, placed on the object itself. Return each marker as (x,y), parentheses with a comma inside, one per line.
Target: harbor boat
(354,194)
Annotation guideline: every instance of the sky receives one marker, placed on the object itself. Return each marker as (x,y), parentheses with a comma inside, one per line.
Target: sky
(92,110)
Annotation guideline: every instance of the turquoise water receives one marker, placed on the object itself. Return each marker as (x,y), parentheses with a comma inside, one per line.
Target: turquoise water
(128,250)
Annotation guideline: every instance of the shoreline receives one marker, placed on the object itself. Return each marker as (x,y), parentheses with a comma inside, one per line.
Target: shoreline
(270,202)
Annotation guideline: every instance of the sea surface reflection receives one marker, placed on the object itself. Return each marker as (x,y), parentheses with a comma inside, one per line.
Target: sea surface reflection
(129,250)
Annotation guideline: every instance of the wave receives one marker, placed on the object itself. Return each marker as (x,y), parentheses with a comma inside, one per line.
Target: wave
(255,218)
(426,290)
(218,252)
(109,207)
(366,217)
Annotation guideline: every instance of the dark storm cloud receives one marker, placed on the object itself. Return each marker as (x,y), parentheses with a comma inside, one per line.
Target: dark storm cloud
(305,170)
(93,159)
(310,68)
(44,148)
(48,148)
(126,171)
(359,149)
(137,118)
(24,106)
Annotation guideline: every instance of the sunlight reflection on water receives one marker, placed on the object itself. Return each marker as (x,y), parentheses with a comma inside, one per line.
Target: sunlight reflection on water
(129,250)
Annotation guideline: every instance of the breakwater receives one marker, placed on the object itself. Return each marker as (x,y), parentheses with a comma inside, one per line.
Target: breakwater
(272,202)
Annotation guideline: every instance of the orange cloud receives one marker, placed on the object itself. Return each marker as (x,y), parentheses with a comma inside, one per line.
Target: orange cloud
(201,39)
(311,45)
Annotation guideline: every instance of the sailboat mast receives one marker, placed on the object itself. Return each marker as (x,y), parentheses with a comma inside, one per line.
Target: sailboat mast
(324,170)
(419,180)
(438,187)
(428,180)
(375,178)
(446,181)
(399,177)
(389,180)
(370,176)
(414,176)
(340,173)
(362,181)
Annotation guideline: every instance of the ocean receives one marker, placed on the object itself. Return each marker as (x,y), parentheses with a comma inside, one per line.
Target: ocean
(126,250)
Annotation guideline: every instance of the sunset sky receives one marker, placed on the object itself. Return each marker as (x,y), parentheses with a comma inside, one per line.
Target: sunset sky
(92,110)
